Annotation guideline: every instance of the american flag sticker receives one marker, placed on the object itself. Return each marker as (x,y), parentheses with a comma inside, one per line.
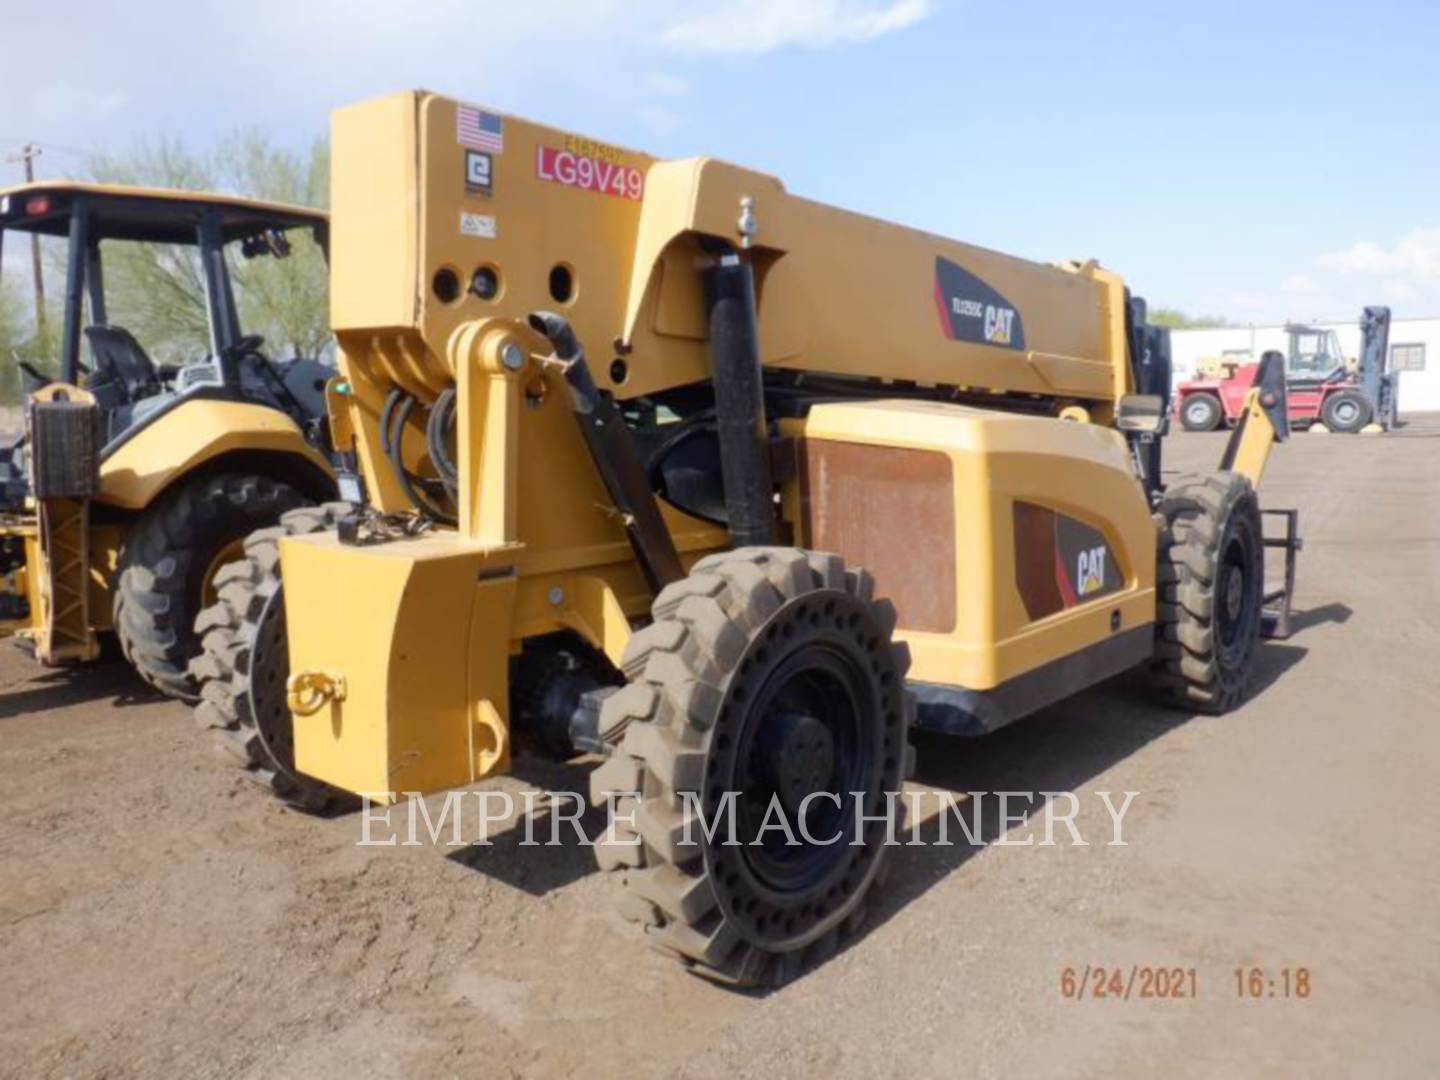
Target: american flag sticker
(482,130)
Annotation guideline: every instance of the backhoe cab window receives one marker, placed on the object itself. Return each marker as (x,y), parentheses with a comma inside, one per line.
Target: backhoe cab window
(34,341)
(157,292)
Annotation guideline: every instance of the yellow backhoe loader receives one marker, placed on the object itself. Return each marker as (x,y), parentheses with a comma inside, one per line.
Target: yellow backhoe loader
(663,463)
(135,480)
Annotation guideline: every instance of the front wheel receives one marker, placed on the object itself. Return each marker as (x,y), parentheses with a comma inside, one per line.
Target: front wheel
(1201,412)
(1346,412)
(245,663)
(764,744)
(1211,580)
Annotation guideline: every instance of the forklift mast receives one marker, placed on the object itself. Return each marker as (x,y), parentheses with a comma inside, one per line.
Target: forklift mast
(1375,382)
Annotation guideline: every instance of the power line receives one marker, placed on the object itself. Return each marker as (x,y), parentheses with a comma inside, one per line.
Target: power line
(51,147)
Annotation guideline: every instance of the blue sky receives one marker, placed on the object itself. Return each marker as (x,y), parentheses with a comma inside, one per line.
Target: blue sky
(1259,161)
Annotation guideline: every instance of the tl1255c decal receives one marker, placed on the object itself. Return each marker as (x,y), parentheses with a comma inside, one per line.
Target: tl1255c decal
(970,310)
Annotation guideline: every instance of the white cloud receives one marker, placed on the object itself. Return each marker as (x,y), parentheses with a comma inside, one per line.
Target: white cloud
(1416,255)
(660,119)
(1404,274)
(760,26)
(666,85)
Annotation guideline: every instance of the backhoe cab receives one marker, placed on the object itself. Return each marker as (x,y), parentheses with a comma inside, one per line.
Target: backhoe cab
(136,478)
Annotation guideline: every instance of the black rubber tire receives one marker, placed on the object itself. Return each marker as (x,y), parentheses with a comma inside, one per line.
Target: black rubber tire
(244,663)
(160,587)
(739,616)
(1211,583)
(1209,413)
(1346,412)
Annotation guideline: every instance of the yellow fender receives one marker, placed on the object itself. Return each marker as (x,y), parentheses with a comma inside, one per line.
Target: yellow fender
(188,436)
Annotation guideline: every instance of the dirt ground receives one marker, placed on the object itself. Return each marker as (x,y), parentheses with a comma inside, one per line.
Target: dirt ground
(160,917)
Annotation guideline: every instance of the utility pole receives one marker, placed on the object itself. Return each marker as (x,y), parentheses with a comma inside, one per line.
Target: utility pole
(28,153)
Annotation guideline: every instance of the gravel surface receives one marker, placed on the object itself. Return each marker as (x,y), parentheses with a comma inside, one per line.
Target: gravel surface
(161,917)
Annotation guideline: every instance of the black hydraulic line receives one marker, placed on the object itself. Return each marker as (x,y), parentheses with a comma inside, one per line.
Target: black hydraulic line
(617,459)
(437,432)
(740,402)
(394,415)
(432,488)
(686,429)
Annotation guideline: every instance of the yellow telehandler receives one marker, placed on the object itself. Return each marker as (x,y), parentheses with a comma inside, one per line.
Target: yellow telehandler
(663,463)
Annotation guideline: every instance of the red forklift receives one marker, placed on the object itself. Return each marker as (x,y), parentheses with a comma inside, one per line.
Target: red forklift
(1321,386)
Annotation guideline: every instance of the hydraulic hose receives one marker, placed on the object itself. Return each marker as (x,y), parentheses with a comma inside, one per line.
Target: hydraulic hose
(439,429)
(394,416)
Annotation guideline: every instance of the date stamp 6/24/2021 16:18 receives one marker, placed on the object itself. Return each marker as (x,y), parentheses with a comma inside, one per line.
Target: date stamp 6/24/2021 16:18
(1147,982)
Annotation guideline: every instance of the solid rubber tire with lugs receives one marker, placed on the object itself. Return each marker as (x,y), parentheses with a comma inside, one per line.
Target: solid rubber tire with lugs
(243,667)
(673,719)
(1198,663)
(161,584)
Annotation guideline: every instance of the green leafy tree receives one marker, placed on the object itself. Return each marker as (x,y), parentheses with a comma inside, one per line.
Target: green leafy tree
(157,290)
(284,299)
(1178,320)
(13,340)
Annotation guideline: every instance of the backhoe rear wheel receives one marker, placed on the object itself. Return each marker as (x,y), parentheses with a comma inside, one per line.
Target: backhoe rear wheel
(1211,579)
(245,662)
(768,673)
(170,560)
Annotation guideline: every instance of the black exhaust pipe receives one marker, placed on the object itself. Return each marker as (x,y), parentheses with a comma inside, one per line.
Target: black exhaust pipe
(740,402)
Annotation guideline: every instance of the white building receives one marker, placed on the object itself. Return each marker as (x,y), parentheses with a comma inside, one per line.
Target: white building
(1414,353)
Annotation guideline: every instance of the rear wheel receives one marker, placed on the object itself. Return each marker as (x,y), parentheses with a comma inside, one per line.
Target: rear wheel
(1346,411)
(1211,579)
(766,702)
(168,568)
(245,662)
(1201,412)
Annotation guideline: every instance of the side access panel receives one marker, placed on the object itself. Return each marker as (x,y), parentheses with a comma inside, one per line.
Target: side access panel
(1019,551)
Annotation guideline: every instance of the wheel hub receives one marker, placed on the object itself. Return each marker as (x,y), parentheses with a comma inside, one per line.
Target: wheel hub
(801,758)
(1234,594)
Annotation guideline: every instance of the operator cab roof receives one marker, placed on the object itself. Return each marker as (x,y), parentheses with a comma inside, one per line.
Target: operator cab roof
(158,215)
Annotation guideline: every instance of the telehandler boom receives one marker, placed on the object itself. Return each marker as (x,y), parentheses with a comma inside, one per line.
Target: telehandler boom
(664,463)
